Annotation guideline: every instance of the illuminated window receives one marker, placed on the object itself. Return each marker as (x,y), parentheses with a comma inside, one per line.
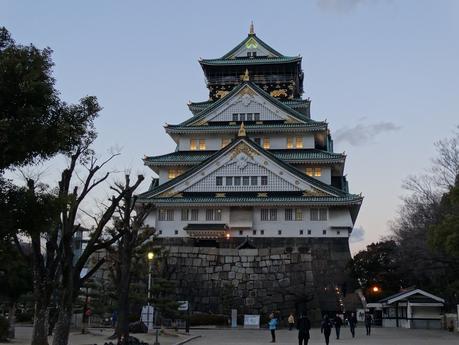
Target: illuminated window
(266,143)
(298,214)
(173,173)
(193,145)
(202,144)
(299,143)
(225,141)
(289,143)
(314,171)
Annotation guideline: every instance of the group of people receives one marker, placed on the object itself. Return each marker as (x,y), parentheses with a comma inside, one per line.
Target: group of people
(303,325)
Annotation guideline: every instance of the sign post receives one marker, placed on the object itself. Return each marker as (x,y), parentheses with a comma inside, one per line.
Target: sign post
(251,321)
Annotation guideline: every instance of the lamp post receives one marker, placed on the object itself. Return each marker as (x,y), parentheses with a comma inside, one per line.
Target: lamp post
(150,257)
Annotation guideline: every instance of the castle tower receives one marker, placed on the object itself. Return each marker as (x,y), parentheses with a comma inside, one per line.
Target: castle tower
(253,202)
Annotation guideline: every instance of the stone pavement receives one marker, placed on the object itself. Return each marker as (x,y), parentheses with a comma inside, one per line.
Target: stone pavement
(96,336)
(380,336)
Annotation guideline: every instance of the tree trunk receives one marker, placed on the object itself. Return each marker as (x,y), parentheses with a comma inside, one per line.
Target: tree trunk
(61,334)
(40,329)
(122,328)
(12,320)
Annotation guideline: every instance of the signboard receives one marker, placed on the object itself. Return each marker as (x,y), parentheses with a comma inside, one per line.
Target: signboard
(147,317)
(183,305)
(234,318)
(251,321)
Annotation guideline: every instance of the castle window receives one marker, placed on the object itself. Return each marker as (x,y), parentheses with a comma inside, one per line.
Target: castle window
(254,180)
(256,116)
(173,173)
(176,232)
(323,214)
(249,116)
(235,117)
(298,214)
(314,171)
(301,232)
(185,213)
(318,214)
(272,214)
(324,232)
(219,181)
(309,232)
(338,232)
(213,214)
(237,180)
(165,214)
(202,144)
(245,180)
(289,143)
(264,214)
(254,232)
(225,141)
(194,214)
(264,180)
(170,215)
(160,232)
(229,180)
(242,117)
(279,232)
(314,212)
(193,145)
(262,232)
(241,232)
(299,143)
(266,143)
(288,214)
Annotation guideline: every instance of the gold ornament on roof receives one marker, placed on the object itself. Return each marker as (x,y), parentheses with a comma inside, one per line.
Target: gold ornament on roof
(241,132)
(251,30)
(246,76)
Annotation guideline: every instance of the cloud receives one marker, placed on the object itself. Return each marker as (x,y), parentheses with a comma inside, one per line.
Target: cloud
(340,6)
(363,133)
(357,235)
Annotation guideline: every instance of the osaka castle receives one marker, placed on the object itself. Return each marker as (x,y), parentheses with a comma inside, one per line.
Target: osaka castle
(252,172)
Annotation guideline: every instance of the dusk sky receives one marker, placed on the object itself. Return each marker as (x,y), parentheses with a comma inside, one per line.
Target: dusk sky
(384,73)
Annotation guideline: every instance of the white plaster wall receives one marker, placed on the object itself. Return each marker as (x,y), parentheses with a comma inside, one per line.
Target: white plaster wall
(289,228)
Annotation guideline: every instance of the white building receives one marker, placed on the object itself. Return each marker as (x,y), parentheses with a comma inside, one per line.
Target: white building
(250,162)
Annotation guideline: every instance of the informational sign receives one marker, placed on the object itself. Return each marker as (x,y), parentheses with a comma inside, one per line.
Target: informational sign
(183,305)
(234,318)
(148,314)
(251,321)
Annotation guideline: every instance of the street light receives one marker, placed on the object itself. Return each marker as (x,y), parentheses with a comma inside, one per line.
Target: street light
(150,257)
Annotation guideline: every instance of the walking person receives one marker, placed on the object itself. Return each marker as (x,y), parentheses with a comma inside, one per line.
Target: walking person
(352,324)
(325,328)
(272,327)
(368,321)
(338,322)
(303,325)
(291,321)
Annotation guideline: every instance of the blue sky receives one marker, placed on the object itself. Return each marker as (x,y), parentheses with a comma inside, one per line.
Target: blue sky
(384,73)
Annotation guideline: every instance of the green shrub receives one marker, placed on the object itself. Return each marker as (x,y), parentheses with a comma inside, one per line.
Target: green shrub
(208,319)
(24,317)
(4,326)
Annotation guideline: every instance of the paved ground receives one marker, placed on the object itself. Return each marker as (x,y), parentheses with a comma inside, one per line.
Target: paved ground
(380,336)
(96,336)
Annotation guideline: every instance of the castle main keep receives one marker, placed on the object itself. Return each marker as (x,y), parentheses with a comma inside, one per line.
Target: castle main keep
(253,204)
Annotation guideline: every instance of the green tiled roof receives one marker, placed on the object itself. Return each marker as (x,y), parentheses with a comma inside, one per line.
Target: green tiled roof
(197,107)
(251,61)
(260,91)
(259,40)
(250,128)
(290,156)
(310,180)
(241,200)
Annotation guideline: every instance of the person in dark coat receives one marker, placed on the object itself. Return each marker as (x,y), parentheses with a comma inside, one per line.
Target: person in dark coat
(303,325)
(338,322)
(368,320)
(352,324)
(325,328)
